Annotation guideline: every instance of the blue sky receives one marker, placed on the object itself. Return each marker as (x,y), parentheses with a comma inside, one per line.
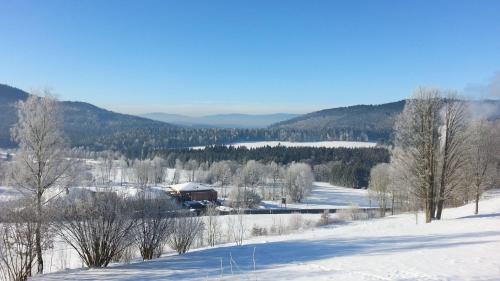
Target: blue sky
(260,56)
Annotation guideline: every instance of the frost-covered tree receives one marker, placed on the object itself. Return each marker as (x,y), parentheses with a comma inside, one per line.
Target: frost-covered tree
(275,173)
(252,174)
(298,181)
(157,170)
(106,169)
(379,187)
(40,163)
(480,168)
(142,170)
(191,166)
(222,174)
(452,150)
(417,139)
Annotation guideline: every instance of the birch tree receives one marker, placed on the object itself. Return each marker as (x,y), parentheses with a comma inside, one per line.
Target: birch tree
(40,164)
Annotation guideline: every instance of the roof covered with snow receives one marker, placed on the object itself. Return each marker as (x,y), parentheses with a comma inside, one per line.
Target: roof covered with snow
(190,186)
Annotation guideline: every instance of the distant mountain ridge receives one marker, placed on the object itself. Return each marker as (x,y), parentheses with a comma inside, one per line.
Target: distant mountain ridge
(82,121)
(234,120)
(98,129)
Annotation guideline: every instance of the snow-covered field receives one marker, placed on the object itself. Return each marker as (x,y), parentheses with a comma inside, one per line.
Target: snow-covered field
(460,247)
(328,144)
(327,196)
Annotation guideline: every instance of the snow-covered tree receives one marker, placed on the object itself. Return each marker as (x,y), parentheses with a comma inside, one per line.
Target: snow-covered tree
(379,186)
(480,168)
(298,181)
(222,174)
(417,137)
(452,150)
(40,163)
(142,172)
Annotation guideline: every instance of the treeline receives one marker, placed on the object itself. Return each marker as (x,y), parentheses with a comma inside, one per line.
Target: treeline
(341,166)
(145,142)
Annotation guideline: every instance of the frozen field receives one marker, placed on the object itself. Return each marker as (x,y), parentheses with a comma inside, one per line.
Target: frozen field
(327,196)
(328,144)
(460,247)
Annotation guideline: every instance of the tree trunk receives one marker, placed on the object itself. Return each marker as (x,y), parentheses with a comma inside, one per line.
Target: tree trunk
(442,184)
(428,211)
(392,205)
(440,203)
(440,206)
(477,202)
(38,233)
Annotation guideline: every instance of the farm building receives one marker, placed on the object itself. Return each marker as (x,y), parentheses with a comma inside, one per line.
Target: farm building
(193,191)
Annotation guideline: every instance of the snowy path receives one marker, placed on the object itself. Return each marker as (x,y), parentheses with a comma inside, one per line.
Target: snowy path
(461,247)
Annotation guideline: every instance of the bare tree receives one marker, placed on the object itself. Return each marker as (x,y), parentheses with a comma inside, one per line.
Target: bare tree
(142,172)
(154,213)
(276,175)
(417,137)
(177,173)
(298,181)
(379,186)
(123,163)
(222,174)
(191,167)
(106,169)
(453,149)
(98,225)
(17,240)
(481,165)
(237,226)
(212,225)
(158,171)
(39,164)
(185,230)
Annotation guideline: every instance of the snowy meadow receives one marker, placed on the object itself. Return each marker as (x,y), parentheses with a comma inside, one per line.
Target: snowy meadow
(459,247)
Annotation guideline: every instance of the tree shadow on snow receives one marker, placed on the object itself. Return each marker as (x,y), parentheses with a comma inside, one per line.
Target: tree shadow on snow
(206,264)
(481,216)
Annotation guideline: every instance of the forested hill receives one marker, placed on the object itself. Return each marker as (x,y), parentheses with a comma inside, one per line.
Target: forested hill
(374,121)
(83,122)
(370,122)
(98,129)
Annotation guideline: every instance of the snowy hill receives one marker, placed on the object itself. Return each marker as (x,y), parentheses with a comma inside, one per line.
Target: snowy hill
(460,247)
